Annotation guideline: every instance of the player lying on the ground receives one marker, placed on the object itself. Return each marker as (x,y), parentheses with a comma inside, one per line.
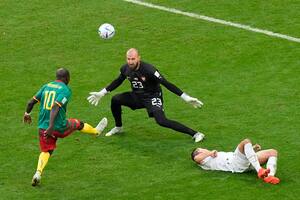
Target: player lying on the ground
(245,157)
(52,124)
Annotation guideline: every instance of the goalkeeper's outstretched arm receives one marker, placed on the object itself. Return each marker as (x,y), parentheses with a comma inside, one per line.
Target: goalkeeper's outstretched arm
(115,83)
(171,87)
(96,96)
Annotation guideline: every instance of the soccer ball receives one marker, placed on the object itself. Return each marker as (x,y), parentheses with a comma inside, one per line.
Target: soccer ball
(106,31)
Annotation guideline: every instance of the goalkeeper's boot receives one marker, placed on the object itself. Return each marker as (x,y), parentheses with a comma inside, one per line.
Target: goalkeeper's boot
(36,179)
(271,179)
(114,131)
(262,173)
(101,126)
(198,137)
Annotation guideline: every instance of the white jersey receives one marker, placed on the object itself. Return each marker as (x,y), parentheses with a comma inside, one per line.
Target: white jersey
(227,161)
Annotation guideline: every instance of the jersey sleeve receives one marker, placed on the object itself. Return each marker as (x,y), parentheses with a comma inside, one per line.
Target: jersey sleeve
(118,81)
(63,98)
(170,86)
(38,95)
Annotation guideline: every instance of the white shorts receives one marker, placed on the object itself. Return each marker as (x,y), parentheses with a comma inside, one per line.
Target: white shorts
(240,163)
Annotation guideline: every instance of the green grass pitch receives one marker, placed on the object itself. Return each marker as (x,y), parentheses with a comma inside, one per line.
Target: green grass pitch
(249,84)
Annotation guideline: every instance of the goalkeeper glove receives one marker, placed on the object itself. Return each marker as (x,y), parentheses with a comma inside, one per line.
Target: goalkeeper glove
(96,96)
(191,100)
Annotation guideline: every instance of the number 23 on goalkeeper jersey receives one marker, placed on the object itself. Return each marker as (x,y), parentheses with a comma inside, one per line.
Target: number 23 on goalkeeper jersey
(53,92)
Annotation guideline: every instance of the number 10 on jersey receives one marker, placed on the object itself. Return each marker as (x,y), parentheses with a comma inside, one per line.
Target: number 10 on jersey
(49,99)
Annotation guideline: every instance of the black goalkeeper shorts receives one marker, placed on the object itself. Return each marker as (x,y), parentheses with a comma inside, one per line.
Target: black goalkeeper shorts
(152,102)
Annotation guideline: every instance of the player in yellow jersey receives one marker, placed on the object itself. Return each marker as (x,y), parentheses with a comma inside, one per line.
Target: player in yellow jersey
(53,98)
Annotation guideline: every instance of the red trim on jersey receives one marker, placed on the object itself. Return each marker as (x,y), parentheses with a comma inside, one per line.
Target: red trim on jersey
(58,103)
(35,99)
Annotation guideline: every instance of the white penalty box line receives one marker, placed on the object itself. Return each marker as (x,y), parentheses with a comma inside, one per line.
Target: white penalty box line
(215,20)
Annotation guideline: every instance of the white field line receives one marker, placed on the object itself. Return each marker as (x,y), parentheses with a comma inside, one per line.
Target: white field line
(219,21)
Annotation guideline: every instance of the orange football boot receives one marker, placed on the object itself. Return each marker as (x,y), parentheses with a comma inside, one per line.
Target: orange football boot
(271,179)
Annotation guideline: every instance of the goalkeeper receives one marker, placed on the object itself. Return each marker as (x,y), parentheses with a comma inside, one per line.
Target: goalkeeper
(146,93)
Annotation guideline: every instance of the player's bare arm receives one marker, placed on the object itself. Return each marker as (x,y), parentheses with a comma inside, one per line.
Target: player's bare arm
(201,154)
(30,105)
(214,153)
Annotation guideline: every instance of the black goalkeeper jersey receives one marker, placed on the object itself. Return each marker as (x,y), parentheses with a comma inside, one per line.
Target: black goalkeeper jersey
(145,81)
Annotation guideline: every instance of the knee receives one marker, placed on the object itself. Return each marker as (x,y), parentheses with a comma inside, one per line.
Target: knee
(245,141)
(242,144)
(81,125)
(273,152)
(161,121)
(50,152)
(116,99)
